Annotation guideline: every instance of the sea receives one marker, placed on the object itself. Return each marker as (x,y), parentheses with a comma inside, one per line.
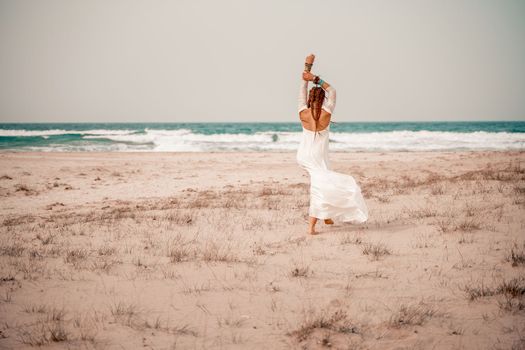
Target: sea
(259,137)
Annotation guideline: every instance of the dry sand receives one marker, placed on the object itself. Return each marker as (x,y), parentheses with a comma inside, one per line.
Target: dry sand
(210,251)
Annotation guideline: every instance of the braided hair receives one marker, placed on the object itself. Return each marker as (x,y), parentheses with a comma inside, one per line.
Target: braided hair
(315,102)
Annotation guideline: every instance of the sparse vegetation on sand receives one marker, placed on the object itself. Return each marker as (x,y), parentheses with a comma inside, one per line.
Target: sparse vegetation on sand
(375,250)
(516,254)
(204,251)
(336,321)
(411,315)
(513,288)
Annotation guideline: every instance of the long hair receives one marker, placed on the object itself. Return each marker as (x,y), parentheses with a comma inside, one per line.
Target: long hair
(315,102)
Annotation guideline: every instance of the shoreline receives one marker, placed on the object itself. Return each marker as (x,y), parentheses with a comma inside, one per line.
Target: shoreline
(261,152)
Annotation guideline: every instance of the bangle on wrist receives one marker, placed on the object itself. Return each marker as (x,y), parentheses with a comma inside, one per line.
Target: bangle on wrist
(320,82)
(316,79)
(308,66)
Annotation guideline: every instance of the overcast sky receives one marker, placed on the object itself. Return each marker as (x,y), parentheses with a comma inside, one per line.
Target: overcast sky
(241,60)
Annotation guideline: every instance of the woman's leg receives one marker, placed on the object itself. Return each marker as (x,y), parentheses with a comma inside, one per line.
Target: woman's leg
(311,229)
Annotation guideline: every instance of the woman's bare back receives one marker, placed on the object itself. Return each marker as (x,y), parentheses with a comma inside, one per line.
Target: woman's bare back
(308,122)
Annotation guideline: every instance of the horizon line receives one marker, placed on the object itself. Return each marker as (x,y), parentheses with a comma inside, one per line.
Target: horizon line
(262,122)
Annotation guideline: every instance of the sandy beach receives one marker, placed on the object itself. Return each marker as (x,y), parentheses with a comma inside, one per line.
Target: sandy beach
(210,251)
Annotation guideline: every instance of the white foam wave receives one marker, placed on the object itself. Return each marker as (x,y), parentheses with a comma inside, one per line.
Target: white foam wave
(184,140)
(51,132)
(428,140)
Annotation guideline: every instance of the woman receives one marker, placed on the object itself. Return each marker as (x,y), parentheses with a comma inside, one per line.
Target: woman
(332,195)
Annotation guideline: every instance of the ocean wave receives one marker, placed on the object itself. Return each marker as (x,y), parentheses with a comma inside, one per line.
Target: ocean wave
(429,140)
(53,132)
(185,140)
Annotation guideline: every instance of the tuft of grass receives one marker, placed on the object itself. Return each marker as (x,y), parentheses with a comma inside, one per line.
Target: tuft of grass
(468,225)
(36,336)
(481,290)
(179,253)
(422,213)
(456,330)
(410,315)
(437,189)
(32,309)
(179,218)
(50,329)
(104,263)
(215,252)
(512,304)
(44,333)
(18,220)
(31,268)
(375,250)
(164,326)
(514,288)
(337,322)
(138,261)
(466,239)
(23,188)
(234,322)
(196,289)
(14,249)
(86,328)
(122,309)
(265,191)
(300,271)
(445,225)
(470,210)
(516,255)
(351,239)
(45,239)
(7,297)
(198,203)
(519,190)
(106,251)
(273,191)
(57,332)
(56,314)
(76,256)
(382,198)
(127,314)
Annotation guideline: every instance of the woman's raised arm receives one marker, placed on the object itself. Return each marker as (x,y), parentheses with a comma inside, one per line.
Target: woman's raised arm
(301,100)
(303,89)
(329,101)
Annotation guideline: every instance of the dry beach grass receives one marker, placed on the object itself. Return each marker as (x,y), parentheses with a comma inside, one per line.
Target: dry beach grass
(169,251)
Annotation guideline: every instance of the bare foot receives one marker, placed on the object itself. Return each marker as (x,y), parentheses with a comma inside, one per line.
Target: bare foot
(312,231)
(328,222)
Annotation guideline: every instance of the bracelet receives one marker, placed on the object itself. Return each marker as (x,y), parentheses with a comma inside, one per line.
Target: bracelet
(320,82)
(316,79)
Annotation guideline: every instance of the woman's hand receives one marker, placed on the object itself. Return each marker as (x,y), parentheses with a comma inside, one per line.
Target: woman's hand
(310,58)
(308,76)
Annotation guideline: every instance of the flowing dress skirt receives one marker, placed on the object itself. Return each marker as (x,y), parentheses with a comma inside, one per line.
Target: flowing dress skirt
(332,195)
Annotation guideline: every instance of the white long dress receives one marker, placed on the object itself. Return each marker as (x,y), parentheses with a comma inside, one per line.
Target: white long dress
(332,195)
